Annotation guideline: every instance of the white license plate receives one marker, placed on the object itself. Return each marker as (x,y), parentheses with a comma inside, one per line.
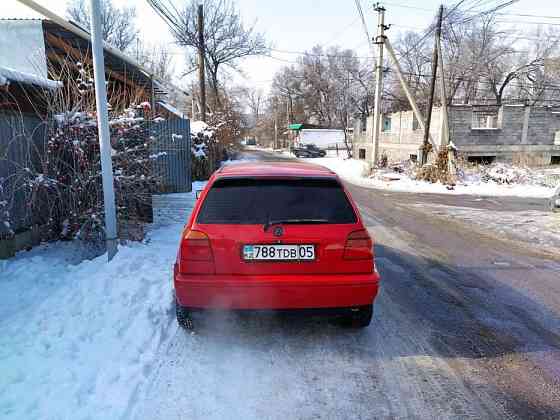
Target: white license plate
(279,252)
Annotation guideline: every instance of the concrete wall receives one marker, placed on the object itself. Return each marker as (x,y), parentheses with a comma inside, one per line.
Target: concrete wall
(523,135)
(401,141)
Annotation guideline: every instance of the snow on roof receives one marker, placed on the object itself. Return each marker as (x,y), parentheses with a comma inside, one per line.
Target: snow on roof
(321,137)
(172,109)
(10,75)
(199,127)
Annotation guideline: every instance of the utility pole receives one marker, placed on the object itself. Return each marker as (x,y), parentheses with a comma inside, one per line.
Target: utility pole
(103,130)
(287,111)
(291,109)
(193,107)
(347,99)
(201,63)
(379,41)
(275,124)
(444,123)
(425,144)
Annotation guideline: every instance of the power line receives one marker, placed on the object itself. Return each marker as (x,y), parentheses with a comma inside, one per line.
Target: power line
(326,55)
(551,87)
(344,30)
(531,16)
(408,6)
(364,24)
(527,22)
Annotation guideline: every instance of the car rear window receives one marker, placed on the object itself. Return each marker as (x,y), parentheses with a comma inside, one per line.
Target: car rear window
(256,201)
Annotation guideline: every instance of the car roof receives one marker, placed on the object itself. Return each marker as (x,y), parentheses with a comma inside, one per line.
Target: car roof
(275,168)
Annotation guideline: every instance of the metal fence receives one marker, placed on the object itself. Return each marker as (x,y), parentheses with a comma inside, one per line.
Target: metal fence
(22,139)
(171,144)
(22,143)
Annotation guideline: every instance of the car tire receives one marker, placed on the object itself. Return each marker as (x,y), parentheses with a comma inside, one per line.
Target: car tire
(183,317)
(362,317)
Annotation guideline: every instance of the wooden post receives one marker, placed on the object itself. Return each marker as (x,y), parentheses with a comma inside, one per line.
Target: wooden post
(425,144)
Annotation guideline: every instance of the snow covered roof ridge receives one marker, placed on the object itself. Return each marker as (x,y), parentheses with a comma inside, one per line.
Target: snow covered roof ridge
(172,109)
(10,75)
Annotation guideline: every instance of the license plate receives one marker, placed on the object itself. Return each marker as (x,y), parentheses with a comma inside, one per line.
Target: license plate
(279,252)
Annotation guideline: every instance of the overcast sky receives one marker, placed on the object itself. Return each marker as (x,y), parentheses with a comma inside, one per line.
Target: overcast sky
(298,25)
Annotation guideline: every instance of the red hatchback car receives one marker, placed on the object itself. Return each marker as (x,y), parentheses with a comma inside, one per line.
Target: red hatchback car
(276,236)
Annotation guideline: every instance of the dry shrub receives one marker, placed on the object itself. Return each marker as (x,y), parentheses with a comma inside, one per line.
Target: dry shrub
(62,184)
(215,142)
(438,171)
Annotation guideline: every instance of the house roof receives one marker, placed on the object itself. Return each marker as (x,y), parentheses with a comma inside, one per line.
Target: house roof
(8,75)
(64,41)
(69,39)
(299,126)
(170,108)
(295,126)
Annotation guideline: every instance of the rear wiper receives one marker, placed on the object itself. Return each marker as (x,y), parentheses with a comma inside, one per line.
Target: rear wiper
(269,222)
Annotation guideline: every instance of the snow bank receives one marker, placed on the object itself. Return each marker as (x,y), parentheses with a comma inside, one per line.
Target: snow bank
(76,341)
(496,180)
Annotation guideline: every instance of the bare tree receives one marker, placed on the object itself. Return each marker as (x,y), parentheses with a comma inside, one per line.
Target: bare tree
(255,99)
(118,27)
(227,39)
(484,62)
(156,58)
(527,68)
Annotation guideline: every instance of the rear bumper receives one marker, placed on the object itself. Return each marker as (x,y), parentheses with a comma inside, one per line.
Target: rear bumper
(276,291)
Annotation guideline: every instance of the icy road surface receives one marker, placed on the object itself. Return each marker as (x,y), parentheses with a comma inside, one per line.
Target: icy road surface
(466,326)
(458,332)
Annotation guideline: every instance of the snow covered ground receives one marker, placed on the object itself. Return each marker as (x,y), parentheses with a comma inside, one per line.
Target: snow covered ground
(78,338)
(494,181)
(356,172)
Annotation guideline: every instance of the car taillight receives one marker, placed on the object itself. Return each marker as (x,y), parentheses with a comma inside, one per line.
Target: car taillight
(196,253)
(359,246)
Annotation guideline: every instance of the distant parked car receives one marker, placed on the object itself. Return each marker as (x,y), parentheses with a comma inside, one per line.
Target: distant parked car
(308,151)
(276,236)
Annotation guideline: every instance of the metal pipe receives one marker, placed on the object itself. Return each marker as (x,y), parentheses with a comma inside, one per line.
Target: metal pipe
(103,130)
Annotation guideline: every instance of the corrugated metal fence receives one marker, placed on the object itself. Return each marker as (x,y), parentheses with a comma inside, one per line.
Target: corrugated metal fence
(22,142)
(172,146)
(22,139)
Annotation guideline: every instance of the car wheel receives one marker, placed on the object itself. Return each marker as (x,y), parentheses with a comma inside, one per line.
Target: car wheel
(183,317)
(362,317)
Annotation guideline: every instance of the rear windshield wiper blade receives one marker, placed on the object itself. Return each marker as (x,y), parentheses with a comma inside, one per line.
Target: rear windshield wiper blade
(293,222)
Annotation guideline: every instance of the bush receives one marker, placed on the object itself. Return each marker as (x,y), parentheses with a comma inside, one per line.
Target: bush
(62,182)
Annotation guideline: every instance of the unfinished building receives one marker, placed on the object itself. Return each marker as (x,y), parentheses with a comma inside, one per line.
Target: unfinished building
(519,134)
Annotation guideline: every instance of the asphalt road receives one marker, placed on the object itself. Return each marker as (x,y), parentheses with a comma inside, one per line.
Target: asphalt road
(466,326)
